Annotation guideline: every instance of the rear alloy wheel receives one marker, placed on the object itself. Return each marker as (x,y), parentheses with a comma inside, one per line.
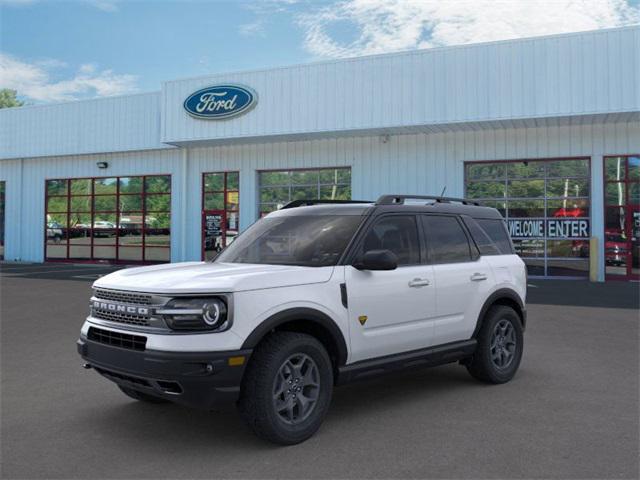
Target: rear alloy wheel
(287,388)
(500,344)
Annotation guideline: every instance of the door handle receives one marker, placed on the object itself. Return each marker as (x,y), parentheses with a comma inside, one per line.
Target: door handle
(419,282)
(477,277)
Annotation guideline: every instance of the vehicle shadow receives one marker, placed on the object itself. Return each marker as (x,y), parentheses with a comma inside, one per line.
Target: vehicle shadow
(194,431)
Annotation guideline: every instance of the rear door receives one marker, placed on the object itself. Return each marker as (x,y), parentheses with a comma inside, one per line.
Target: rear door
(391,311)
(463,278)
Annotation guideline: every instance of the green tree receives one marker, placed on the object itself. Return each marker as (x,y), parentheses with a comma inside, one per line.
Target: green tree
(8,98)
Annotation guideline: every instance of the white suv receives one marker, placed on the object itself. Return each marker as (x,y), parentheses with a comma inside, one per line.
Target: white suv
(315,295)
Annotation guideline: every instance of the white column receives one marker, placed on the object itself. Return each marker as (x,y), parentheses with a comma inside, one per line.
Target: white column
(597,210)
(248,197)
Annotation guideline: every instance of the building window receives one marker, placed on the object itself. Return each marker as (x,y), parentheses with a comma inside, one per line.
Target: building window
(622,217)
(278,187)
(220,211)
(116,219)
(2,187)
(546,204)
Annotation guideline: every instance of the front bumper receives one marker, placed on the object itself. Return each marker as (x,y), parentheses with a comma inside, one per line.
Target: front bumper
(201,380)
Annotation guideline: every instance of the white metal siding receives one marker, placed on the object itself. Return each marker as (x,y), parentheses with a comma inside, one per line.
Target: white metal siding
(25,192)
(113,124)
(558,76)
(416,163)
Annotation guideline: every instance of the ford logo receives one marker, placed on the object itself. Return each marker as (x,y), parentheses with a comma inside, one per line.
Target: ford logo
(220,101)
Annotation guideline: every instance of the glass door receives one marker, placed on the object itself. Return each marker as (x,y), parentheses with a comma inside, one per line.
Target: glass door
(220,205)
(622,217)
(2,187)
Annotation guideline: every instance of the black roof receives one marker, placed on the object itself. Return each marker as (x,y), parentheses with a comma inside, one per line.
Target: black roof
(391,203)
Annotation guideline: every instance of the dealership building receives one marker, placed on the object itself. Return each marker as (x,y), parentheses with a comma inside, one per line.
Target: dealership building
(545,129)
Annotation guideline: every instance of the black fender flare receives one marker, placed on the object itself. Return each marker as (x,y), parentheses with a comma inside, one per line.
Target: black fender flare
(511,297)
(300,314)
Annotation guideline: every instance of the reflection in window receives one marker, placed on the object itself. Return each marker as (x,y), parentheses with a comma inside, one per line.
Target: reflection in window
(398,234)
(125,219)
(220,205)
(540,191)
(446,239)
(277,188)
(2,187)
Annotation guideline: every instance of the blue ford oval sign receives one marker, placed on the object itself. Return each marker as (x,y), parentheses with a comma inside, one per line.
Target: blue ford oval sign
(220,101)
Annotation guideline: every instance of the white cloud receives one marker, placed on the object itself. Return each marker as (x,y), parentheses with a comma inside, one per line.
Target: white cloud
(34,80)
(252,28)
(390,25)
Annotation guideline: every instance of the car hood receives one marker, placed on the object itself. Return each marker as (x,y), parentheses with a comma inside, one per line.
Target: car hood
(204,277)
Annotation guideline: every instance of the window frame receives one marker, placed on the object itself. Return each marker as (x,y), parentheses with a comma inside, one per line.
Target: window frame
(225,210)
(545,260)
(627,207)
(144,247)
(290,185)
(3,217)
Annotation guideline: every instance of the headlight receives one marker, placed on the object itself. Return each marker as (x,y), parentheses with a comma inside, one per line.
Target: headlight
(196,314)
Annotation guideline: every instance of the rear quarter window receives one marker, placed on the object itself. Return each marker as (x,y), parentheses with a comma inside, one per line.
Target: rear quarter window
(484,243)
(497,232)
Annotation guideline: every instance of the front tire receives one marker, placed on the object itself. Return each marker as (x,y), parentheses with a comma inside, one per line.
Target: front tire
(287,388)
(500,345)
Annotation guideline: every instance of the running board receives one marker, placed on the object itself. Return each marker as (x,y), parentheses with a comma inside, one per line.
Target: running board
(426,357)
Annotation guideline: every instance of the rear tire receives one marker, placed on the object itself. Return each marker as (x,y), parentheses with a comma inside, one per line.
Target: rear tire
(141,396)
(287,388)
(500,345)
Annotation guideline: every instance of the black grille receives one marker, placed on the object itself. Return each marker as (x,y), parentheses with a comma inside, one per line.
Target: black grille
(117,339)
(121,317)
(124,297)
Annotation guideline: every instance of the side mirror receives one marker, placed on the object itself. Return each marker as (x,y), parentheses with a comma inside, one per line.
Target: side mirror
(377,260)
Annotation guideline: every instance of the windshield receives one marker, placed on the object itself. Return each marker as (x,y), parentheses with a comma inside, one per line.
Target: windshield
(309,241)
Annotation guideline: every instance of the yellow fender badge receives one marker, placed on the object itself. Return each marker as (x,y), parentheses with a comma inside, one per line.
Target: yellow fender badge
(362,319)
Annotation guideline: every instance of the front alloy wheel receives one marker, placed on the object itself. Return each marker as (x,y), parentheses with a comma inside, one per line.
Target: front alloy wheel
(296,388)
(287,388)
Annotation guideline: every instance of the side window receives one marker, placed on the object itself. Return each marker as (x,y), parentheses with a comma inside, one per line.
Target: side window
(397,233)
(498,233)
(446,239)
(482,240)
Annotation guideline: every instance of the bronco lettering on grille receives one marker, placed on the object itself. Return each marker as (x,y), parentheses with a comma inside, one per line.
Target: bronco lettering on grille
(114,307)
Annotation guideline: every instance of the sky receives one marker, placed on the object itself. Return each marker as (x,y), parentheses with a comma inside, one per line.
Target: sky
(55,50)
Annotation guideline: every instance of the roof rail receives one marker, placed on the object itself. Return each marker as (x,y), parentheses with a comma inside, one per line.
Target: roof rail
(310,202)
(400,199)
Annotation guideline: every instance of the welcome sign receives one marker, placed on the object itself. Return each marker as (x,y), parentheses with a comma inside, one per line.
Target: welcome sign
(556,228)
(220,102)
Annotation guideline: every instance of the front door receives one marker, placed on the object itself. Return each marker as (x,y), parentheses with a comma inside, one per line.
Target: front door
(220,215)
(391,311)
(622,217)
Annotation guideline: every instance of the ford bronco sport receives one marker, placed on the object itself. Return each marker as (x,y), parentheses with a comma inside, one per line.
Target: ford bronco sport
(314,295)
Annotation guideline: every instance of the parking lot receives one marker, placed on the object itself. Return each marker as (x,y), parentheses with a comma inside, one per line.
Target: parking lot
(571,412)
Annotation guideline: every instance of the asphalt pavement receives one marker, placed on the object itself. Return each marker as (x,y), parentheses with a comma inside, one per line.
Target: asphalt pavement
(571,411)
